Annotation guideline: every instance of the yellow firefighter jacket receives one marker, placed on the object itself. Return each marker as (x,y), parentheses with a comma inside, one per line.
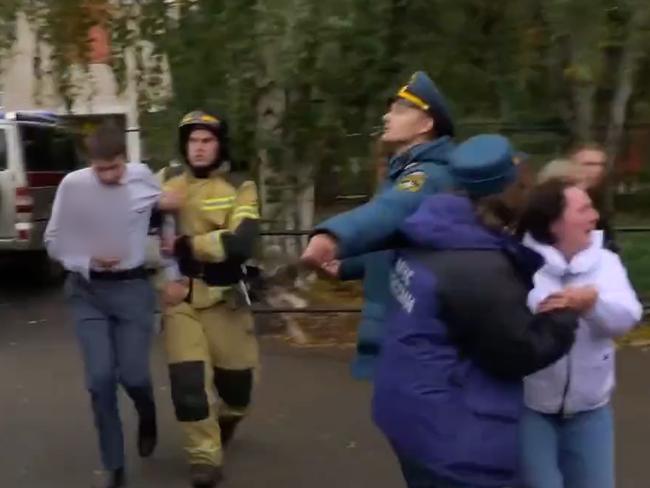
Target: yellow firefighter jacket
(219,222)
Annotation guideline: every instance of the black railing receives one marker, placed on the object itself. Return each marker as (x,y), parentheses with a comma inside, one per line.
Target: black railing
(347,310)
(294,233)
(305,310)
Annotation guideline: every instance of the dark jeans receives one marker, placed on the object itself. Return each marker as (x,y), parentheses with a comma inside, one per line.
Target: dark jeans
(114,326)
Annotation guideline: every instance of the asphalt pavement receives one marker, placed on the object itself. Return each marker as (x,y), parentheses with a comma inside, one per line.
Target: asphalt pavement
(309,428)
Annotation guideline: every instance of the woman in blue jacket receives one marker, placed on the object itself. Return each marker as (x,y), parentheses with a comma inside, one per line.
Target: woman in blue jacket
(448,388)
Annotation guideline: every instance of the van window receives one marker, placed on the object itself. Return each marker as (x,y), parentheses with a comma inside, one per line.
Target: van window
(47,148)
(64,151)
(3,150)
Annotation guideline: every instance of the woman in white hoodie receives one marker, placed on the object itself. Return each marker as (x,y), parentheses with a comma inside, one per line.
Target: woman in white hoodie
(567,434)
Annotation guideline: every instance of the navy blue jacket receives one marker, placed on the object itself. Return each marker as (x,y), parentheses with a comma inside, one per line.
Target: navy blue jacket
(413,175)
(460,339)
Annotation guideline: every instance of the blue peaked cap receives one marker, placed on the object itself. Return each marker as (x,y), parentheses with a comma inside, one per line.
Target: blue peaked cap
(483,165)
(422,92)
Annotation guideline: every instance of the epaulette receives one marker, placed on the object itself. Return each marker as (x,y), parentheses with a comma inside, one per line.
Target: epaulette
(411,165)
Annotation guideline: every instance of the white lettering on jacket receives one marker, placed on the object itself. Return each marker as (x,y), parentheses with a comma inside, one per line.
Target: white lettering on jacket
(400,281)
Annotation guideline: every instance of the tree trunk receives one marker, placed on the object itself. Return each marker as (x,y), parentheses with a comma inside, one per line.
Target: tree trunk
(583,90)
(286,183)
(305,201)
(627,69)
(397,18)
(271,108)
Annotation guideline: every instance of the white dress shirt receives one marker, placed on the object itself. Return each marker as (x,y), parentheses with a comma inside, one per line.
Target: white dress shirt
(90,219)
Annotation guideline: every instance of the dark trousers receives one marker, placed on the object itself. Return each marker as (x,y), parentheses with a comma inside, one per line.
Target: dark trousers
(114,325)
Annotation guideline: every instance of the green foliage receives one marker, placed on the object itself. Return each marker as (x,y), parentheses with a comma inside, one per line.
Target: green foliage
(636,256)
(330,66)
(8,10)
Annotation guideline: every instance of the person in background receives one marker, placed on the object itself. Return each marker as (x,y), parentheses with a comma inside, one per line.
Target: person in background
(590,160)
(449,383)
(567,433)
(586,166)
(98,231)
(419,127)
(560,169)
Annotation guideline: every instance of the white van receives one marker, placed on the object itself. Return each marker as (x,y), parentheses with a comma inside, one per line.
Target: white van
(36,152)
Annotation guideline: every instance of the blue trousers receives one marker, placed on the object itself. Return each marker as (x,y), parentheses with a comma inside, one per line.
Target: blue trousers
(573,452)
(114,326)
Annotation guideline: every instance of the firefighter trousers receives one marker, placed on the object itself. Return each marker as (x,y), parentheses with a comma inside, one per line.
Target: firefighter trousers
(212,355)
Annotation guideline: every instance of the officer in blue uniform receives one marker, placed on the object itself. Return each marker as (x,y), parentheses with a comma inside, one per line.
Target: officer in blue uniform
(419,125)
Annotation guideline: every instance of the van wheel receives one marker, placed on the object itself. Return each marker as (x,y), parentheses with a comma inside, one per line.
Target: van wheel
(43,271)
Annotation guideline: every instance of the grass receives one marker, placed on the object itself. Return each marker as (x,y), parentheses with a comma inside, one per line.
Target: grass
(636,256)
(636,252)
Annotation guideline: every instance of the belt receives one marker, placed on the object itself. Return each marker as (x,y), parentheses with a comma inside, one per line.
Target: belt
(138,273)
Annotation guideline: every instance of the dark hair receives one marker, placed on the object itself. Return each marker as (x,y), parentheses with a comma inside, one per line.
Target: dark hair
(106,143)
(546,204)
(503,211)
(494,213)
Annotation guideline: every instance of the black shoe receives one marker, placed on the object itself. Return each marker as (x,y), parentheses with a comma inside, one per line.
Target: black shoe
(113,479)
(205,475)
(147,435)
(147,430)
(228,425)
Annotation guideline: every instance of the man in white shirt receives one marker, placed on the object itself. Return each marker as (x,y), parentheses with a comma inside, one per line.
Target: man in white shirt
(98,231)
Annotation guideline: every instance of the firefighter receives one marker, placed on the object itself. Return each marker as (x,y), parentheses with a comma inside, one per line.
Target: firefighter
(208,325)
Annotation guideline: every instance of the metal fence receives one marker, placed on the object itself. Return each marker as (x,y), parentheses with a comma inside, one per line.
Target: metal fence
(356,310)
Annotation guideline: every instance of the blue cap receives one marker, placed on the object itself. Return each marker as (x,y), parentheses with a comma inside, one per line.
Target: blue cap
(422,92)
(483,165)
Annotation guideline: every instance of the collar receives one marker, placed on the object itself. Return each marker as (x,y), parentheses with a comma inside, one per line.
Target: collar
(400,162)
(527,261)
(220,171)
(556,263)
(127,176)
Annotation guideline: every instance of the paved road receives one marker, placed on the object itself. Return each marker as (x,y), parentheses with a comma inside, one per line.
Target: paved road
(309,428)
